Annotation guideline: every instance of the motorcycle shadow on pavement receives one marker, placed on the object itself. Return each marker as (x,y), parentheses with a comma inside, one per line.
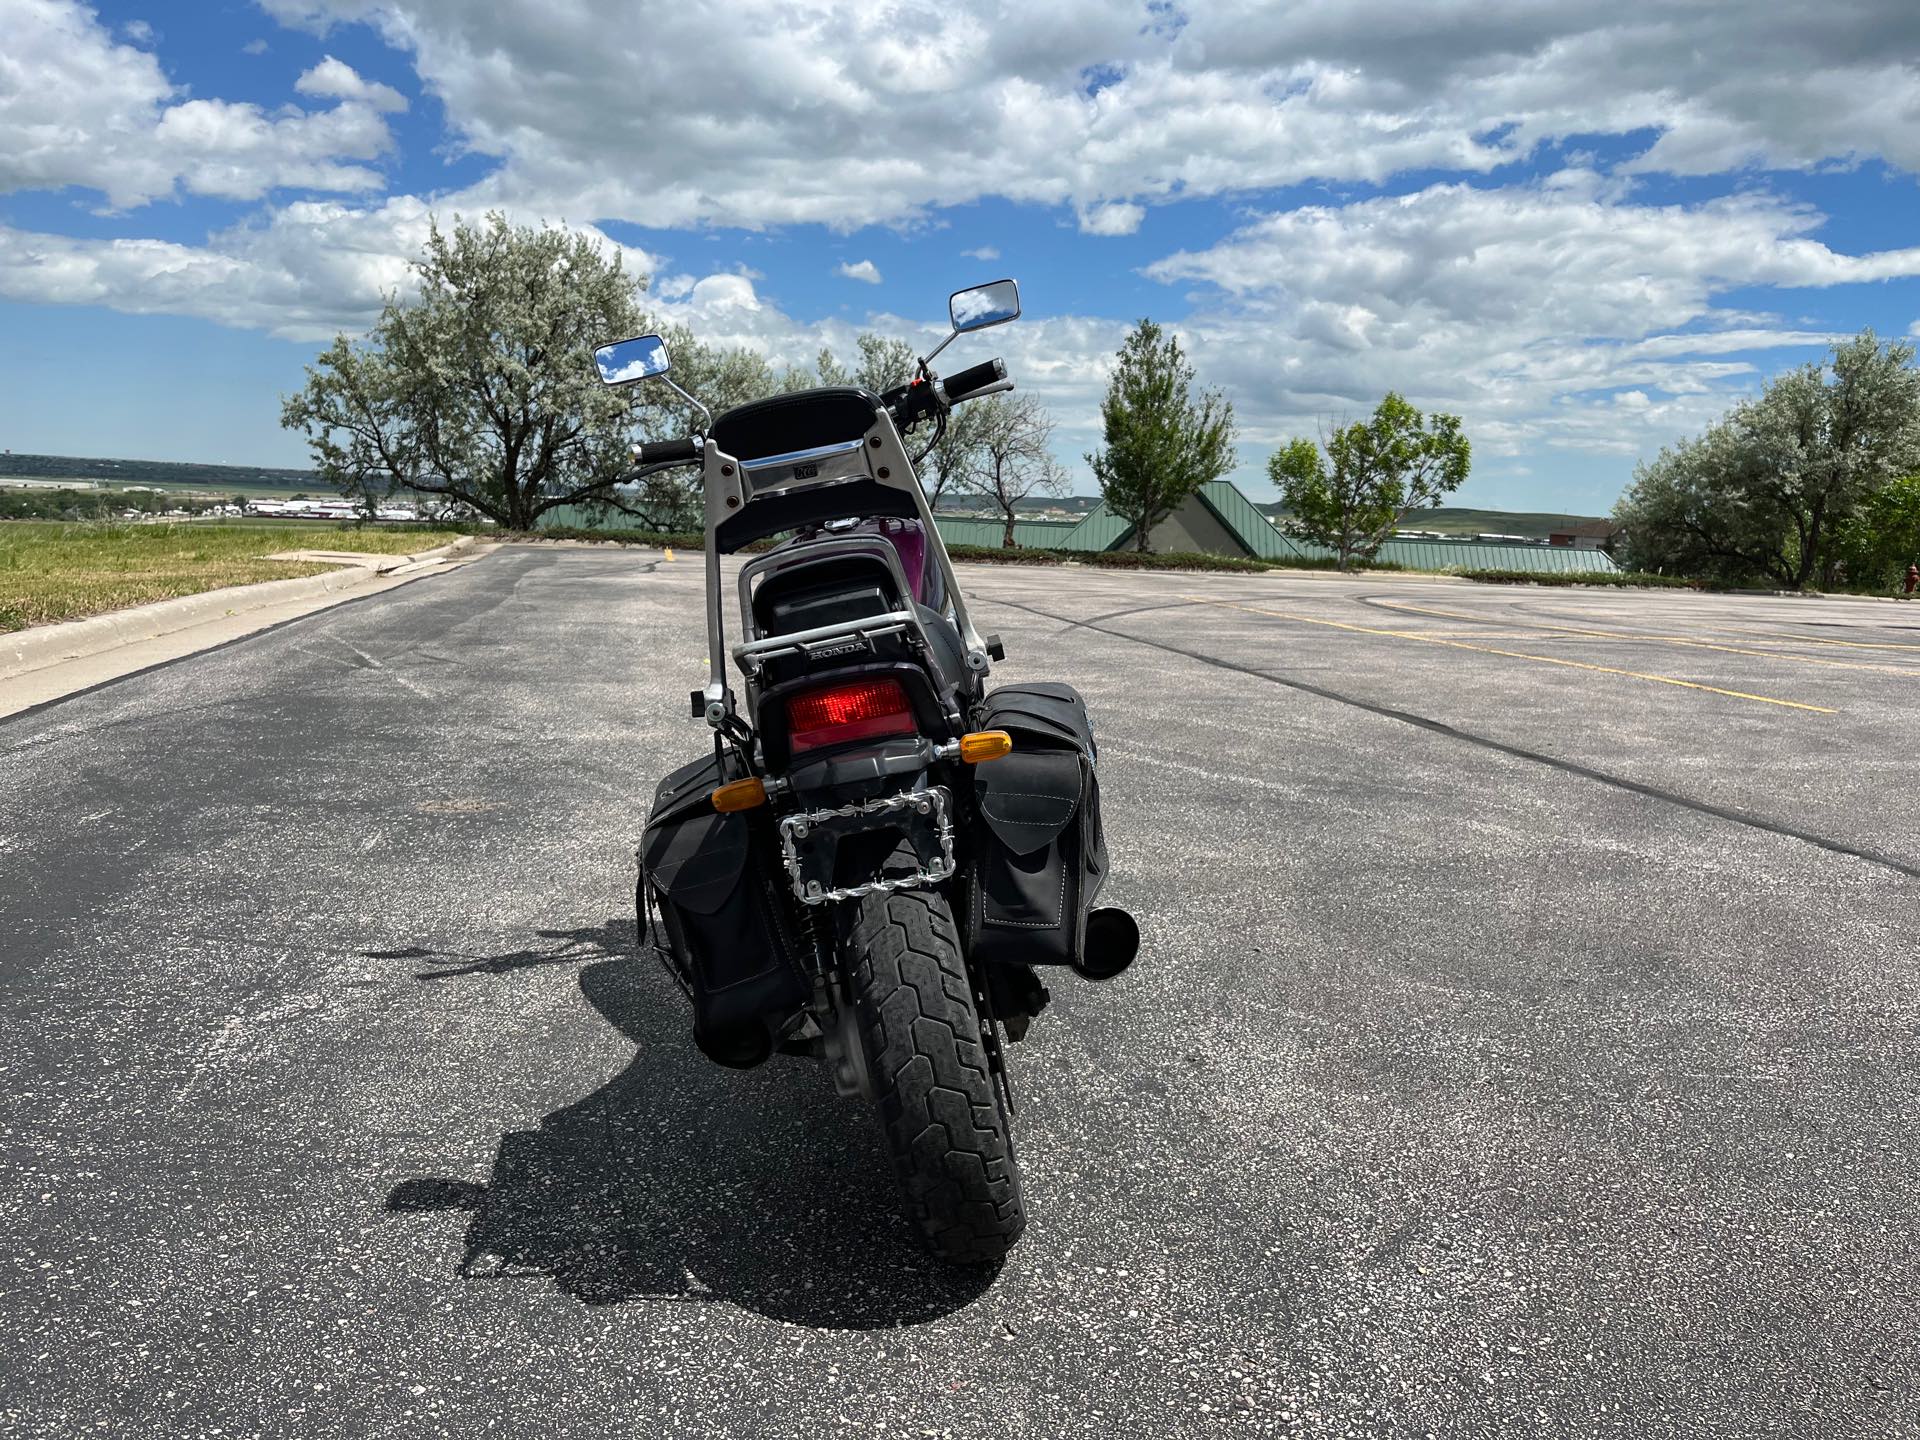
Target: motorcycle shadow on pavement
(680,1180)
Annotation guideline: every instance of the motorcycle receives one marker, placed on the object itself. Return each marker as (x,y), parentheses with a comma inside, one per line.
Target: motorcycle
(880,852)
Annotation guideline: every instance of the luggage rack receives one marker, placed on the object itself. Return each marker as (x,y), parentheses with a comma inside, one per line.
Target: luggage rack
(754,500)
(753,654)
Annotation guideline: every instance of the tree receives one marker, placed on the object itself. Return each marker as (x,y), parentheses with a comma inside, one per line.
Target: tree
(1382,467)
(1162,444)
(1773,490)
(1879,543)
(481,389)
(953,454)
(1686,513)
(1011,457)
(672,500)
(884,363)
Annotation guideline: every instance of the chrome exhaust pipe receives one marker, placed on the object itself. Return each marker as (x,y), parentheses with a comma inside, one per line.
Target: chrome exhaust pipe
(1113,939)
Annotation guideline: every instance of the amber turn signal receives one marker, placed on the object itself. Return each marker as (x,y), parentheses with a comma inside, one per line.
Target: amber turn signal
(985,745)
(740,795)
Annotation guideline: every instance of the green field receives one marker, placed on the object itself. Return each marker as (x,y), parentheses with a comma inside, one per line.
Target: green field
(50,571)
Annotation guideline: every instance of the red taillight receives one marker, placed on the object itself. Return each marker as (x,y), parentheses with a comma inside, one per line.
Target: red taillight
(860,710)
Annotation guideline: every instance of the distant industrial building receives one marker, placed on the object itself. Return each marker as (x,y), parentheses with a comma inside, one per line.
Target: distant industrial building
(1589,535)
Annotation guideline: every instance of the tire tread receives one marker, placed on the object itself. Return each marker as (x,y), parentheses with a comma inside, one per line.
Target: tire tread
(939,1106)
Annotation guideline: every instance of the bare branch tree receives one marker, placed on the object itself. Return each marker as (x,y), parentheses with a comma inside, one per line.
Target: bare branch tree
(946,467)
(1011,456)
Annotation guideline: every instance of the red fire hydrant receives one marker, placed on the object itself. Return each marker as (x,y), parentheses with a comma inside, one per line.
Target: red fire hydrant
(1913,577)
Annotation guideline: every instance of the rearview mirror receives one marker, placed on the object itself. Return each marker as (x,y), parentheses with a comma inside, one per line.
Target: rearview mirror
(984,305)
(625,361)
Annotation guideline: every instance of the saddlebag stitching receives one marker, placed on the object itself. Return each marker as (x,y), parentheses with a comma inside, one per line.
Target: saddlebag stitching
(985,919)
(1005,819)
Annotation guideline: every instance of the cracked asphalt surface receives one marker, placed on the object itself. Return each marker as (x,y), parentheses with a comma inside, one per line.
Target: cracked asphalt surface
(1524,1041)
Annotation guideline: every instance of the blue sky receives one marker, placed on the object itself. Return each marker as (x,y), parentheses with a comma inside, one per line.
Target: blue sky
(1585,232)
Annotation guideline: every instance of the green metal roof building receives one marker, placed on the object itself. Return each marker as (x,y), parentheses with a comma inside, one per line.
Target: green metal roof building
(1028,534)
(1219,520)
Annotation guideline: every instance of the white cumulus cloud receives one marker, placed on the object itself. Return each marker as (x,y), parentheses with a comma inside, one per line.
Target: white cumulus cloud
(337,80)
(79,108)
(1523,307)
(305,272)
(1572,312)
(1116,219)
(784,113)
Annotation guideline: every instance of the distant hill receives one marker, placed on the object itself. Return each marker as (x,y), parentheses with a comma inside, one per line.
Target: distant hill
(1073,505)
(174,474)
(1464,520)
(1447,519)
(168,473)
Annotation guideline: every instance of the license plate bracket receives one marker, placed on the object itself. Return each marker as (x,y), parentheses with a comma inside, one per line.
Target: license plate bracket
(810,842)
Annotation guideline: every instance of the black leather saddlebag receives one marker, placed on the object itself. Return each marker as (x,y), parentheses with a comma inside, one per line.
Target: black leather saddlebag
(723,912)
(1040,854)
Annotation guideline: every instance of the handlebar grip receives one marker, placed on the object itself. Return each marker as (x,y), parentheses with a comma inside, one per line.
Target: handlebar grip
(959,387)
(666,452)
(911,403)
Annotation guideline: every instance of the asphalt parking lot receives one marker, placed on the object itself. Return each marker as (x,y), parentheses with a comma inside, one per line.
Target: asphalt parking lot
(1524,1042)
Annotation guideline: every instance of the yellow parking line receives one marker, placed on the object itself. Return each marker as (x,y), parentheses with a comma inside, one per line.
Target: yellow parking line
(1822,640)
(1656,639)
(1518,655)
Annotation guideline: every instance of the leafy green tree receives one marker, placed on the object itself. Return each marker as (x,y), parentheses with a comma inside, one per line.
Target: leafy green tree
(1374,472)
(721,378)
(1687,513)
(481,389)
(1775,489)
(1161,442)
(884,363)
(1883,539)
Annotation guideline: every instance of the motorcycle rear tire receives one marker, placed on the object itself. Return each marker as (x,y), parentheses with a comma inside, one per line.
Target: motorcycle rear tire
(939,1107)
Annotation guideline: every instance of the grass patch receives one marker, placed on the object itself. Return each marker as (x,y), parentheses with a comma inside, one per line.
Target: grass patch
(658,539)
(51,571)
(1174,560)
(1644,580)
(1620,579)
(995,555)
(1134,560)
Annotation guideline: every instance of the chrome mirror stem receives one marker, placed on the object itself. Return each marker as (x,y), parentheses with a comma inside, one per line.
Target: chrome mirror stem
(673,386)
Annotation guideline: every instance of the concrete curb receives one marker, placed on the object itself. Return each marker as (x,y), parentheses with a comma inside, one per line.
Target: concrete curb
(25,651)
